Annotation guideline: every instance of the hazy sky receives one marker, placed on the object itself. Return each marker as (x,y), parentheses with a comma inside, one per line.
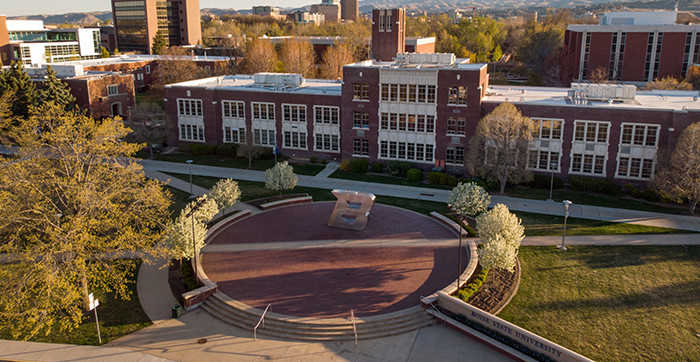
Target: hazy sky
(33,7)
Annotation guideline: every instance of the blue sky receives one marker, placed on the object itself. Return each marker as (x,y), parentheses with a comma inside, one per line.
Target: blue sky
(34,7)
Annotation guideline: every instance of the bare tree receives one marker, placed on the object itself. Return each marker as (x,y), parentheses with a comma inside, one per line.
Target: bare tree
(499,148)
(175,66)
(260,56)
(298,57)
(249,150)
(334,59)
(147,122)
(680,178)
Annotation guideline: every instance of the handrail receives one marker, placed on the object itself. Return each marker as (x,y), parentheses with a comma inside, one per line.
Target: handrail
(426,300)
(262,320)
(354,327)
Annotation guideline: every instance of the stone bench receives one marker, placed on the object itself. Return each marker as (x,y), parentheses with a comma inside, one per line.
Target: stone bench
(287,202)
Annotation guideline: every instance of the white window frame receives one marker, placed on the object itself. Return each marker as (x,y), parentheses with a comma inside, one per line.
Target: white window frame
(266,111)
(112,90)
(328,115)
(189,107)
(235,109)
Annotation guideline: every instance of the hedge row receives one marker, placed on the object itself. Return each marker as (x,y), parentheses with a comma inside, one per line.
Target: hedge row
(188,274)
(468,290)
(594,184)
(544,182)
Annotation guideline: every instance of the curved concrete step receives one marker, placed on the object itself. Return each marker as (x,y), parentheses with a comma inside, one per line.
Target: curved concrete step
(243,316)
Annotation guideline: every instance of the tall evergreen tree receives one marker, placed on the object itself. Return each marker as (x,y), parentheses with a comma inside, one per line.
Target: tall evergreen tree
(159,43)
(54,90)
(16,80)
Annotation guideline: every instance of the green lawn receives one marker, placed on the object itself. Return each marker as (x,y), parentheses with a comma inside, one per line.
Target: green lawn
(220,161)
(535,224)
(633,303)
(117,318)
(383,179)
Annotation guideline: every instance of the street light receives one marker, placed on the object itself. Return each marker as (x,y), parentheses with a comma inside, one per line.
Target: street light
(459,249)
(566,203)
(552,166)
(194,240)
(189,162)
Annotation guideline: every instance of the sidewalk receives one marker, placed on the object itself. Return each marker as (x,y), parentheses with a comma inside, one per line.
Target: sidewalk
(34,351)
(536,206)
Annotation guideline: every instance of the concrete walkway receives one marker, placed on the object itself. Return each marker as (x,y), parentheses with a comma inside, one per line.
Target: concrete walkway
(536,206)
(34,351)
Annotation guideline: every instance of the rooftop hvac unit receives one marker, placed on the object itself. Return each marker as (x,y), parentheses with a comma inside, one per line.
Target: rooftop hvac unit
(278,79)
(615,92)
(426,58)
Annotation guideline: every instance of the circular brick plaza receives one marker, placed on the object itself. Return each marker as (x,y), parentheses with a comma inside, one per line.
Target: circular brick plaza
(291,259)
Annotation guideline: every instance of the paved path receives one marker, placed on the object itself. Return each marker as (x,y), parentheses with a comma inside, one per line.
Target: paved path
(34,351)
(439,195)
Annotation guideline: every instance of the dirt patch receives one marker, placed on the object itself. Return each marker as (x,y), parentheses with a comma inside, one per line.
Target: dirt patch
(498,289)
(176,280)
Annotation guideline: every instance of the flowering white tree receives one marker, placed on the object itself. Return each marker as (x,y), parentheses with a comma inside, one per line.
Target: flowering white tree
(280,177)
(225,193)
(501,233)
(468,199)
(184,230)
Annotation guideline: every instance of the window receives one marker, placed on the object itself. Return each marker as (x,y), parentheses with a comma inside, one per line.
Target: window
(456,126)
(191,132)
(360,92)
(360,120)
(360,147)
(263,111)
(457,96)
(326,114)
(547,129)
(295,139)
(112,90)
(388,22)
(639,134)
(327,142)
(234,135)
(385,92)
(406,151)
(148,69)
(543,160)
(189,107)
(586,163)
(637,153)
(591,131)
(233,109)
(293,113)
(264,137)
(407,122)
(455,156)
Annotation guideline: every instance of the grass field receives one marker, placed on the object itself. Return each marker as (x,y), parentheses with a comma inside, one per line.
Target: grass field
(535,224)
(636,303)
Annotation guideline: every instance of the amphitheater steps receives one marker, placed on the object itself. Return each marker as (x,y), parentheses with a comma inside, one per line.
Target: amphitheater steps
(243,316)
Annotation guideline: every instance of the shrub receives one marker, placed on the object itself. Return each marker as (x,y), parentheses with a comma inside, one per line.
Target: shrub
(632,189)
(594,184)
(470,230)
(344,165)
(377,167)
(451,180)
(226,149)
(358,165)
(650,195)
(414,174)
(198,149)
(313,159)
(468,290)
(543,182)
(324,161)
(437,178)
(267,154)
(399,168)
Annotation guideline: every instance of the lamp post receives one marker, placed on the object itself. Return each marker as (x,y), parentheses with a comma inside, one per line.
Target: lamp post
(552,166)
(459,249)
(566,203)
(194,240)
(189,163)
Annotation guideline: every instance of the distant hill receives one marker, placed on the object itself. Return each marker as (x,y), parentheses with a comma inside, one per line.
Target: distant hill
(70,18)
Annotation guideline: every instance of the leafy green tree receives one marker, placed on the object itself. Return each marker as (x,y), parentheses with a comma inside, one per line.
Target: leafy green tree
(104,53)
(280,177)
(501,233)
(499,150)
(539,43)
(73,202)
(159,43)
(54,90)
(16,80)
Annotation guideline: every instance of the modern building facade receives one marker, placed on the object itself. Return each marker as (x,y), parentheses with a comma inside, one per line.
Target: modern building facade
(30,42)
(330,9)
(632,47)
(138,21)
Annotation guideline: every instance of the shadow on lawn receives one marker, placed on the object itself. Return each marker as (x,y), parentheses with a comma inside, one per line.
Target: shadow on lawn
(621,256)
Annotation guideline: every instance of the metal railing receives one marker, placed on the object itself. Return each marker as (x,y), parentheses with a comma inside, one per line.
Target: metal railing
(426,300)
(262,320)
(354,327)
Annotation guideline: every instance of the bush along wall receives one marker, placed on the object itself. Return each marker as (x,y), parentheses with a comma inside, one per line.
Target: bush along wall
(468,290)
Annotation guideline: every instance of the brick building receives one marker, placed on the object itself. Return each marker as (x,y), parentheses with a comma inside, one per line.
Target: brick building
(137,22)
(632,47)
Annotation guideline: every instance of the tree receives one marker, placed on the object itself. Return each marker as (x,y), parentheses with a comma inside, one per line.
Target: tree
(260,57)
(680,177)
(225,193)
(175,66)
(468,199)
(159,43)
(180,231)
(501,233)
(249,150)
(499,148)
(147,122)
(54,90)
(540,42)
(16,80)
(599,75)
(334,59)
(73,202)
(298,57)
(693,76)
(104,53)
(280,177)
(669,83)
